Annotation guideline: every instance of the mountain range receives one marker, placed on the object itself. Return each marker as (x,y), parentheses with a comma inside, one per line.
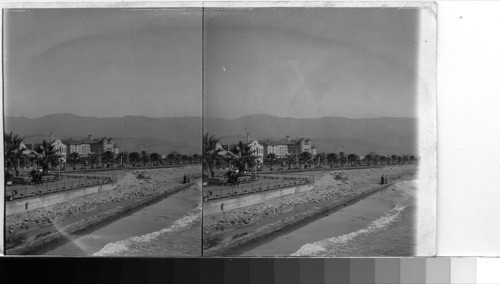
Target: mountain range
(387,135)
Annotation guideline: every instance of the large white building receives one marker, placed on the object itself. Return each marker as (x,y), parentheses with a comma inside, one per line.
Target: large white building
(284,147)
(90,145)
(280,150)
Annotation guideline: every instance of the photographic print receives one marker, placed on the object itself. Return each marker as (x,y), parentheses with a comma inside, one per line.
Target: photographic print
(313,122)
(102,131)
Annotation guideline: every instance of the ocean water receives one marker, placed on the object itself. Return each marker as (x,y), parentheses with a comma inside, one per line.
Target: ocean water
(170,227)
(382,224)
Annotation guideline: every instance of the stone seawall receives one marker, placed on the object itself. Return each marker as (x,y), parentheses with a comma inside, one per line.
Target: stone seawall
(227,204)
(35,202)
(285,224)
(103,217)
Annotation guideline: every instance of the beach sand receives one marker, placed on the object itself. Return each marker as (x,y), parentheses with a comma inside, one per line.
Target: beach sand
(330,187)
(135,189)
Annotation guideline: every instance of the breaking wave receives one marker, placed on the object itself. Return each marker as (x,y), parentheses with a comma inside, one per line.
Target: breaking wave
(126,245)
(328,246)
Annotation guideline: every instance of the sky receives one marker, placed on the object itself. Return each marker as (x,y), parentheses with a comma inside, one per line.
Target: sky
(287,62)
(306,63)
(103,62)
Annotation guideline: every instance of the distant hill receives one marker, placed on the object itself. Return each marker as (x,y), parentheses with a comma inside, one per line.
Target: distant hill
(132,133)
(386,135)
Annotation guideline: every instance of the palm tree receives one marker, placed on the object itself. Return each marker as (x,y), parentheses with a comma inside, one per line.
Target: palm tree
(271,159)
(394,159)
(186,159)
(196,158)
(144,158)
(243,156)
(108,157)
(332,158)
(211,152)
(383,160)
(320,157)
(93,158)
(369,158)
(134,157)
(121,156)
(353,159)
(342,158)
(155,158)
(178,158)
(12,145)
(171,157)
(290,159)
(74,157)
(49,157)
(304,158)
(412,159)
(406,159)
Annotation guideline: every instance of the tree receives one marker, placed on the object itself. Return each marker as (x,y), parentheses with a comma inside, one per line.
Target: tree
(12,145)
(93,158)
(155,158)
(134,157)
(178,158)
(369,158)
(108,157)
(394,159)
(320,157)
(406,159)
(196,158)
(74,157)
(412,159)
(342,158)
(211,152)
(171,157)
(243,156)
(383,159)
(353,159)
(271,159)
(144,158)
(305,158)
(186,159)
(332,158)
(290,159)
(121,156)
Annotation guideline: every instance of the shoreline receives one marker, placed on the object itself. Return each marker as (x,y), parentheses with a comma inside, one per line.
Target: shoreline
(92,222)
(288,223)
(106,214)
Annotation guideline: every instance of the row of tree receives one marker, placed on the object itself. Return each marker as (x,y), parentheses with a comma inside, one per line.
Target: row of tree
(340,159)
(242,157)
(143,158)
(17,155)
